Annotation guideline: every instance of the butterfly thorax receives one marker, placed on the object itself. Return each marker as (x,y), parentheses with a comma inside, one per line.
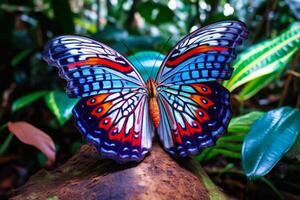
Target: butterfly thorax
(151,88)
(153,104)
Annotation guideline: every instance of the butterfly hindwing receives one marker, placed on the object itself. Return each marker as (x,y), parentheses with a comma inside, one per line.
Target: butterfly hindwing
(203,55)
(90,67)
(193,116)
(117,124)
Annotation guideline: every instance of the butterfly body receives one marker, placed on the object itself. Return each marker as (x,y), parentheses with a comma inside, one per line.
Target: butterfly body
(153,104)
(119,111)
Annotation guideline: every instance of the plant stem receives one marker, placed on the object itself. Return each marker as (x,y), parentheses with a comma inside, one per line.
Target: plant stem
(289,80)
(273,188)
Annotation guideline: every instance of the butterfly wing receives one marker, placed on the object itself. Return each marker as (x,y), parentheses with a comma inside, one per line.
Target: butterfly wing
(113,113)
(203,55)
(193,116)
(90,67)
(117,124)
(195,109)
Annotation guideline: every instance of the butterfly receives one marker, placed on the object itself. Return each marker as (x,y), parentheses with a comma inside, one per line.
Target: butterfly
(119,112)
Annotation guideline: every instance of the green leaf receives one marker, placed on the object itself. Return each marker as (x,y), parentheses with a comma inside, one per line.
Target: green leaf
(269,139)
(231,138)
(5,144)
(215,152)
(202,156)
(89,26)
(147,62)
(254,86)
(155,13)
(229,146)
(265,57)
(242,123)
(60,105)
(27,99)
(227,150)
(20,56)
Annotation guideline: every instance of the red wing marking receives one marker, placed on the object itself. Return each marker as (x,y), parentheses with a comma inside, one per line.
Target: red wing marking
(201,115)
(202,101)
(201,88)
(194,51)
(97,99)
(102,109)
(101,61)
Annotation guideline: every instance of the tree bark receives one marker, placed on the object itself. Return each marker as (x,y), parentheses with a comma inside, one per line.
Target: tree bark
(85,176)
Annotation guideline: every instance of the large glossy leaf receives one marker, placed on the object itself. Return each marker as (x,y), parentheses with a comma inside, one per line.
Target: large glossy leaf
(27,99)
(60,105)
(269,139)
(147,62)
(265,58)
(242,124)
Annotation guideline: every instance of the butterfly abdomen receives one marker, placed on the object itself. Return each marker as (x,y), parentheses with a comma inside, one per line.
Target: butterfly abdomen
(154,111)
(153,105)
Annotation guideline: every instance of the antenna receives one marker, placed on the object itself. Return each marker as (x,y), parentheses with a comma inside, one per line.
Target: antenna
(164,45)
(135,58)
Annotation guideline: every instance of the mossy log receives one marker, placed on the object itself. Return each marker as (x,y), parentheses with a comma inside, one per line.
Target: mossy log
(85,176)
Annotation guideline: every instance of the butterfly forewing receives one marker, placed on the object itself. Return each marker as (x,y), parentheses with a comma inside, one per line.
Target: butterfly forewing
(113,113)
(90,67)
(204,55)
(195,109)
